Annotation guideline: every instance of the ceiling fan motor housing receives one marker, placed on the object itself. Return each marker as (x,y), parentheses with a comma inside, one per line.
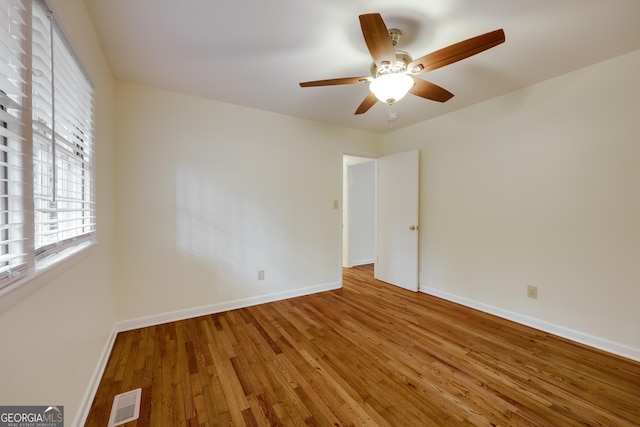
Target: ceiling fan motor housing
(395,35)
(403,59)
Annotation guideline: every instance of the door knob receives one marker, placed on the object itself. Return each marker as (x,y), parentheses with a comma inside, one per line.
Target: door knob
(412,227)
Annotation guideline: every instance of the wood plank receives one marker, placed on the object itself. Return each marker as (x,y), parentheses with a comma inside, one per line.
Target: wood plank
(366,354)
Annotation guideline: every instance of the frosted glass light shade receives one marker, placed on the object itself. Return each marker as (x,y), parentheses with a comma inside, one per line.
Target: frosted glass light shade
(392,87)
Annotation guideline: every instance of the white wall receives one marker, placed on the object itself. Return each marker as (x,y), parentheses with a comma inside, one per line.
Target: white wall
(360,215)
(539,187)
(52,340)
(210,193)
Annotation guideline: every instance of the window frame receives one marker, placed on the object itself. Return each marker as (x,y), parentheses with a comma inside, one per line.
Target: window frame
(75,184)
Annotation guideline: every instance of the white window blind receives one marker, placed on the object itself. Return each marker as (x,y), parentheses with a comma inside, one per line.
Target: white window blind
(62,96)
(47,202)
(13,257)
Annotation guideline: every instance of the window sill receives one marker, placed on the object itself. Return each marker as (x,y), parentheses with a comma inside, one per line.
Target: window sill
(45,272)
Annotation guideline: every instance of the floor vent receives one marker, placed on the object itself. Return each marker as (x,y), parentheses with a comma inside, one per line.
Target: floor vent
(126,407)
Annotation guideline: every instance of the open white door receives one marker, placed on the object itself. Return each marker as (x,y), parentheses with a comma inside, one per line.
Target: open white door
(397,220)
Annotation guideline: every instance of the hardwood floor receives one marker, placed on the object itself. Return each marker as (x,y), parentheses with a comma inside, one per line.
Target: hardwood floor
(368,354)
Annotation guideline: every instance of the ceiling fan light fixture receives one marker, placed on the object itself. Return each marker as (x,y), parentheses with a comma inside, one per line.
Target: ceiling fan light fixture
(392,70)
(391,87)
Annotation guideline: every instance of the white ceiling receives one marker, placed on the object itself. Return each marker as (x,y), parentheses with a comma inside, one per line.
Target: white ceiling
(255,52)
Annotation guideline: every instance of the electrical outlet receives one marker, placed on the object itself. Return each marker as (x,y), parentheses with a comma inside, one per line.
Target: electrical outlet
(260,274)
(532,292)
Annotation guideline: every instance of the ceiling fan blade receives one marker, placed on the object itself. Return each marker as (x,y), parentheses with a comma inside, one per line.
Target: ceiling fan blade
(341,81)
(377,38)
(456,52)
(368,102)
(430,91)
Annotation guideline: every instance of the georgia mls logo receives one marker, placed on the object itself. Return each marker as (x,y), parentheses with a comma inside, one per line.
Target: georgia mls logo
(32,416)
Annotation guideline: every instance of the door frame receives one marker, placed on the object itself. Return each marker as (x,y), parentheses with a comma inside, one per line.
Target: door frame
(343,154)
(375,157)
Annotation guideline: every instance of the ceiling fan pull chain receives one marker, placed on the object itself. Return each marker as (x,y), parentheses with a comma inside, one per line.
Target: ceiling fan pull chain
(391,116)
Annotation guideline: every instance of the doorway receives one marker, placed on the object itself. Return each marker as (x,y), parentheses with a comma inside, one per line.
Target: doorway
(358,214)
(380,216)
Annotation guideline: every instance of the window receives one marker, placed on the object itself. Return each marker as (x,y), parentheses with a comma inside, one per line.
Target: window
(13,257)
(47,201)
(62,100)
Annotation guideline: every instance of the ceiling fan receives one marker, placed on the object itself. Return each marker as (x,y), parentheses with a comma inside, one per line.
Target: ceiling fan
(393,71)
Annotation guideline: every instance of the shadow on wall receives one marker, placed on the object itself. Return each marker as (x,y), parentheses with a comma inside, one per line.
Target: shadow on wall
(217,227)
(230,229)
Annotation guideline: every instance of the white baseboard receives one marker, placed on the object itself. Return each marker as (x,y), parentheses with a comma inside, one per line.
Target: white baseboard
(87,400)
(157,319)
(561,331)
(142,322)
(359,262)
(363,262)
